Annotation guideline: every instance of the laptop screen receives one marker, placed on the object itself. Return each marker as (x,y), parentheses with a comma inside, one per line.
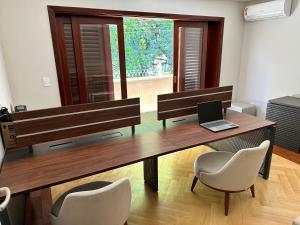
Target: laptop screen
(210,111)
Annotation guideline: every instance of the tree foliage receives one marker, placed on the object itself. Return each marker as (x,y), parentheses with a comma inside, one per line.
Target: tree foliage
(147,43)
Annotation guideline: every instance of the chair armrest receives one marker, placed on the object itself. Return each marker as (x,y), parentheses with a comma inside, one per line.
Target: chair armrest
(4,204)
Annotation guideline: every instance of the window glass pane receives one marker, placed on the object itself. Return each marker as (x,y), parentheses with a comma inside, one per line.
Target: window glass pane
(115,60)
(148,47)
(97,60)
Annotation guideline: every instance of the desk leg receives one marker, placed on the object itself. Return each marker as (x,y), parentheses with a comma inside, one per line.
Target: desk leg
(30,149)
(38,207)
(133,130)
(151,173)
(164,122)
(268,158)
(4,217)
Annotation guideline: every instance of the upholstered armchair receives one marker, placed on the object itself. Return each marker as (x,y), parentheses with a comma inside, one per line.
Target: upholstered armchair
(229,172)
(96,203)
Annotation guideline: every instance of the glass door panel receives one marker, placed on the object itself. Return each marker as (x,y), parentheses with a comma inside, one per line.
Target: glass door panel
(69,84)
(97,62)
(93,59)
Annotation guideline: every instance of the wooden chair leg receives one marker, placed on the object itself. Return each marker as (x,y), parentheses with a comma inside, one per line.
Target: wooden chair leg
(252,191)
(194,183)
(226,202)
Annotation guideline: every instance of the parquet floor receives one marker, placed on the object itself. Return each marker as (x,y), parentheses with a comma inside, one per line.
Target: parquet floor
(277,200)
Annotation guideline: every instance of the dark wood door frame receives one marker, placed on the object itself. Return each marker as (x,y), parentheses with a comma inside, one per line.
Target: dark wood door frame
(214,43)
(54,26)
(76,11)
(79,60)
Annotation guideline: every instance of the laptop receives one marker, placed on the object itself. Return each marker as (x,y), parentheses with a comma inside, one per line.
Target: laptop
(210,115)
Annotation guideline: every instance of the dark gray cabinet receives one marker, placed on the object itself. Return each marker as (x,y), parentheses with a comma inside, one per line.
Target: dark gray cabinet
(285,112)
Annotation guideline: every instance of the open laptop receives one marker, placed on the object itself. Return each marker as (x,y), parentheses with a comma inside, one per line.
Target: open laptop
(210,116)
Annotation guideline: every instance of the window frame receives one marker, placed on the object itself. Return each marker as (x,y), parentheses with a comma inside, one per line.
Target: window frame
(214,42)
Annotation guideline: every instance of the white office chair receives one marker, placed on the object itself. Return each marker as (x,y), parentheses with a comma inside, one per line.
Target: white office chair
(229,172)
(96,203)
(7,194)
(296,221)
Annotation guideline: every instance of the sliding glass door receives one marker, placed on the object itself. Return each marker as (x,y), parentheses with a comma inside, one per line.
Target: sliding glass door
(89,50)
(93,67)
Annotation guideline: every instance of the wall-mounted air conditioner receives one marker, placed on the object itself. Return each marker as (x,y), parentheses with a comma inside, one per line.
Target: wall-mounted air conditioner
(268,10)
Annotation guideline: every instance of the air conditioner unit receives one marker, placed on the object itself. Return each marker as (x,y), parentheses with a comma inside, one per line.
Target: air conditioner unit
(268,10)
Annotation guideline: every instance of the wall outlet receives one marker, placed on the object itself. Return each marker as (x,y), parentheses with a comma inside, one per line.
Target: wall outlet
(46,81)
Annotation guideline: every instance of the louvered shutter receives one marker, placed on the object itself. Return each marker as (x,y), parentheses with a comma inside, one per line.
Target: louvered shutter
(190,47)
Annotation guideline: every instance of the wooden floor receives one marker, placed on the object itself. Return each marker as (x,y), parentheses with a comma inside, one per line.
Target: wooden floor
(285,153)
(277,200)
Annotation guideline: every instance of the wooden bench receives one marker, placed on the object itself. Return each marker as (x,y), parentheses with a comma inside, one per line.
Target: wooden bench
(38,126)
(185,103)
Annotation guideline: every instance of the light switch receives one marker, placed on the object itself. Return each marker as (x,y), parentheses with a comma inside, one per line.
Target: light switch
(46,81)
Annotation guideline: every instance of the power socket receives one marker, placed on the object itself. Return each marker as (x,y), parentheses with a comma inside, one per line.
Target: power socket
(46,81)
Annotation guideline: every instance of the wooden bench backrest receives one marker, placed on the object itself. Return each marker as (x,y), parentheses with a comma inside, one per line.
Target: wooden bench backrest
(38,126)
(185,103)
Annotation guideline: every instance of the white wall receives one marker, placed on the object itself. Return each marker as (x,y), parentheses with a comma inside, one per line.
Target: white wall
(270,65)
(5,97)
(28,52)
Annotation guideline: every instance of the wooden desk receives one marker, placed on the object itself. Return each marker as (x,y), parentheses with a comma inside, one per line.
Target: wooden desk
(87,156)
(37,171)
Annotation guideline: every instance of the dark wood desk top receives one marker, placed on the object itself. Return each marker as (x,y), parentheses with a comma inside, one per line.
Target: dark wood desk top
(190,134)
(37,171)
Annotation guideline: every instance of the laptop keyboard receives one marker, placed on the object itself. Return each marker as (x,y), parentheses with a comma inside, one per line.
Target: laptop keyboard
(216,124)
